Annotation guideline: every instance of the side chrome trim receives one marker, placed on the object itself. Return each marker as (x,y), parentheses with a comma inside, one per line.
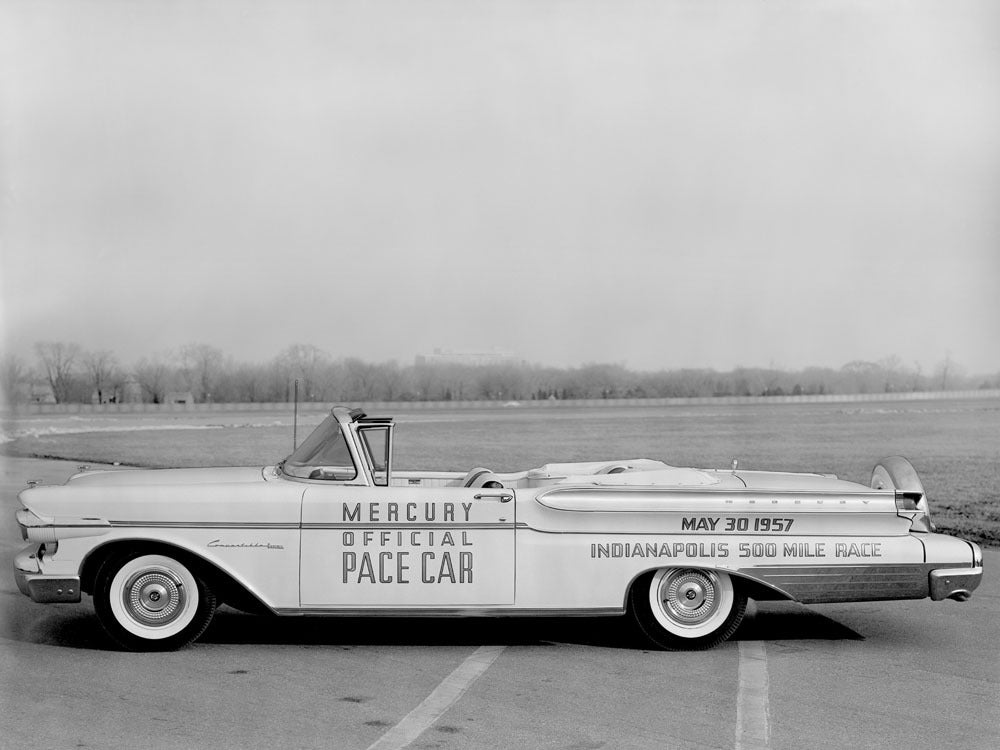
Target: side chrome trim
(844,583)
(446,526)
(690,535)
(583,498)
(200,525)
(448,612)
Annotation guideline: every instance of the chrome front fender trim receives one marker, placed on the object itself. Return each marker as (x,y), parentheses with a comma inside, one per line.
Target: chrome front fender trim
(35,528)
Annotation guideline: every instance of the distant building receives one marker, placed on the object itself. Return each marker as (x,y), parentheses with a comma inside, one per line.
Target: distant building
(469,358)
(31,392)
(107,396)
(40,392)
(127,391)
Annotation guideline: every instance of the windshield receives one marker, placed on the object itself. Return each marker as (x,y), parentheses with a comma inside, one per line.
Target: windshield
(322,455)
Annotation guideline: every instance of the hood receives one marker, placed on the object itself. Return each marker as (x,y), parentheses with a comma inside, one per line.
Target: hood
(237,495)
(168,477)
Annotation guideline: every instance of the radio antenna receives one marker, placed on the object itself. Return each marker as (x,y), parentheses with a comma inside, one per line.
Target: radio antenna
(295,418)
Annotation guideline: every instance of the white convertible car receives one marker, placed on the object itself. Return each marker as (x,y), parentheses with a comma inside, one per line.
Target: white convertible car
(335,530)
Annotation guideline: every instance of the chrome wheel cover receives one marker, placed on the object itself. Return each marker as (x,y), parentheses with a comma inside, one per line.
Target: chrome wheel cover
(688,596)
(154,597)
(690,603)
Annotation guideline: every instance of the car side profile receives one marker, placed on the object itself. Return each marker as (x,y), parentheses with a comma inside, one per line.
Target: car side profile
(335,529)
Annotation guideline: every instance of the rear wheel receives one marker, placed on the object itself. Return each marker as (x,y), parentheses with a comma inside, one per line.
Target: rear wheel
(687,608)
(152,602)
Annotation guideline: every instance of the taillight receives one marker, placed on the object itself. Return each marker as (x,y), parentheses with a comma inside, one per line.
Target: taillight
(913,505)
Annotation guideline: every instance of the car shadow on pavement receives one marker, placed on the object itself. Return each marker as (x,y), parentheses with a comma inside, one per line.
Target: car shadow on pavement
(76,626)
(64,625)
(790,621)
(233,627)
(768,621)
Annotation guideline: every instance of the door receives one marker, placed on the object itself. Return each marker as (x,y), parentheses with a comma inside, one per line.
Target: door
(407,547)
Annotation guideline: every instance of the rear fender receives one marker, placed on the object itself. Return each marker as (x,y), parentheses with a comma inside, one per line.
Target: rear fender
(754,588)
(896,473)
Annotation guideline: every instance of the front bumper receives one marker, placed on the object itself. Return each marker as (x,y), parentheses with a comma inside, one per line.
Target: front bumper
(44,589)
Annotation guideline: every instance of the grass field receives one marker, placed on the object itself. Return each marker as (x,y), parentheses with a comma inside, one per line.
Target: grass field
(955,445)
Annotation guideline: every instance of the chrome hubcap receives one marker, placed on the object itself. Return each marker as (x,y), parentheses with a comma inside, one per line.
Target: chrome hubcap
(688,596)
(153,597)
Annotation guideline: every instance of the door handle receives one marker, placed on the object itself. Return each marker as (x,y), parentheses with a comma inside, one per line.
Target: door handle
(504,497)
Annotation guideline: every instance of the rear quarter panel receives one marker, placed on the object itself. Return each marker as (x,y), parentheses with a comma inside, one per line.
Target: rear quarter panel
(574,551)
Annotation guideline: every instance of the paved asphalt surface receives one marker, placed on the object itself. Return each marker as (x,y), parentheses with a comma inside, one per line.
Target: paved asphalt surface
(880,675)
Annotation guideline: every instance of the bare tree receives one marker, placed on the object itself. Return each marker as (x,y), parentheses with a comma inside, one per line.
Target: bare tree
(949,374)
(390,380)
(241,383)
(13,372)
(58,360)
(201,366)
(603,380)
(104,373)
(302,361)
(210,375)
(425,382)
(499,382)
(153,376)
(861,376)
(359,379)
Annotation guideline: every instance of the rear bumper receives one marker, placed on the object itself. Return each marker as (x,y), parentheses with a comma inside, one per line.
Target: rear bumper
(41,588)
(954,583)
(954,572)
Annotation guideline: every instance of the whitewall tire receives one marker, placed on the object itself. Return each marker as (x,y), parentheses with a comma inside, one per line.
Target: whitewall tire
(687,608)
(152,602)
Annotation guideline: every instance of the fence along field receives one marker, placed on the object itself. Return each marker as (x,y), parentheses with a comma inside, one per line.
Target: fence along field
(953,443)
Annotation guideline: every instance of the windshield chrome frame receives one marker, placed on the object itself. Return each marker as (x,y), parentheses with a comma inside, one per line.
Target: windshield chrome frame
(365,449)
(345,422)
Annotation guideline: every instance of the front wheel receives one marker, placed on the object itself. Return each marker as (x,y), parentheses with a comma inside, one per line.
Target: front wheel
(686,608)
(152,602)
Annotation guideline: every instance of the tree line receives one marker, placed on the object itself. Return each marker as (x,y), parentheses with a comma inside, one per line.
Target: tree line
(66,373)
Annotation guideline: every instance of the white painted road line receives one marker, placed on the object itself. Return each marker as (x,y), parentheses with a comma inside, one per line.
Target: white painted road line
(450,690)
(753,730)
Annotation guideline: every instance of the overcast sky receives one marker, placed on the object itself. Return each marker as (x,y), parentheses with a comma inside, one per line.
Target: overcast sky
(661,184)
